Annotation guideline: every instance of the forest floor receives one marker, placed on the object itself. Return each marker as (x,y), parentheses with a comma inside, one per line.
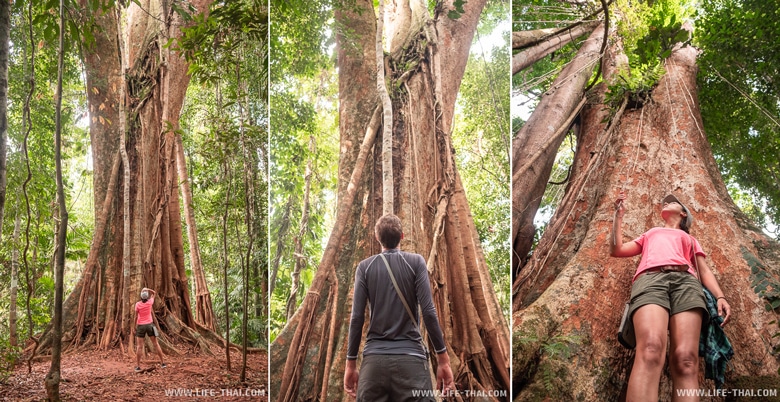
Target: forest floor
(109,376)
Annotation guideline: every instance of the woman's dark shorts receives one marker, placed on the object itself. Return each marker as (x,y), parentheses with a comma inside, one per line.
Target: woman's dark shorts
(145,329)
(394,378)
(674,291)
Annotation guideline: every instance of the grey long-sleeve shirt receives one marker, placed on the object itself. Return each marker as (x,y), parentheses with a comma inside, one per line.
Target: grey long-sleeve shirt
(390,330)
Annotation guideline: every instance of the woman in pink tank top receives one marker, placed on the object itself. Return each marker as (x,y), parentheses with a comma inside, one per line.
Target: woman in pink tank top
(144,326)
(666,296)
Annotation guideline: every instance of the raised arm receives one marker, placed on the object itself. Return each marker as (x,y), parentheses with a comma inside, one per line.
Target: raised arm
(616,246)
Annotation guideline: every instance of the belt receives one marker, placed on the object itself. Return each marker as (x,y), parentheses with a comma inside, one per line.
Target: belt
(668,268)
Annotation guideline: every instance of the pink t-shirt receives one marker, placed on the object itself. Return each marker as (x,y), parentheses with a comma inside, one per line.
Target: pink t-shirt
(143,312)
(665,246)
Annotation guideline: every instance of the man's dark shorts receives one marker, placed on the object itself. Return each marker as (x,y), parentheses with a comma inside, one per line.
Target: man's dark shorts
(145,329)
(394,378)
(674,291)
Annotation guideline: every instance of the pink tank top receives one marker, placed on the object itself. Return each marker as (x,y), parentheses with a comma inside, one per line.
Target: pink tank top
(665,246)
(143,312)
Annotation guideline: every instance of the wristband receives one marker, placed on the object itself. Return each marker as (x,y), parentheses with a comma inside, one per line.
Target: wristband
(722,297)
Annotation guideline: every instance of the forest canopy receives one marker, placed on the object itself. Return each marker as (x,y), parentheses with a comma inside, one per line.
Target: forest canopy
(738,83)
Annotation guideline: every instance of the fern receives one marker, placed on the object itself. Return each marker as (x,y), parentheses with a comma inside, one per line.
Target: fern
(638,86)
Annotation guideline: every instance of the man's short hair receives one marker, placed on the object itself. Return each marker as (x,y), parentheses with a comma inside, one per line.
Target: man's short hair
(388,231)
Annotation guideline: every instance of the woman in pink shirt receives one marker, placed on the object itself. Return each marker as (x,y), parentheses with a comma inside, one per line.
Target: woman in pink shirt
(666,295)
(145,326)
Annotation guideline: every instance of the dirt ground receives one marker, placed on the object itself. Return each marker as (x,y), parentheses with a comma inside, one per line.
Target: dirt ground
(109,376)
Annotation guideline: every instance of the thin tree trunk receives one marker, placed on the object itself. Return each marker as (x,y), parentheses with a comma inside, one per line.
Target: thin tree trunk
(27,127)
(203,308)
(5,35)
(13,338)
(249,221)
(126,174)
(387,119)
(53,377)
(226,263)
(528,57)
(300,258)
(536,144)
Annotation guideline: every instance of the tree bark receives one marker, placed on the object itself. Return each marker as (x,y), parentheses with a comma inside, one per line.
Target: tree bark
(53,377)
(5,36)
(308,356)
(387,118)
(521,39)
(528,57)
(226,262)
(536,144)
(569,290)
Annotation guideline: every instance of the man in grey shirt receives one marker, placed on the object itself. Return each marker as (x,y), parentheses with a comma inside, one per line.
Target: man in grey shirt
(394,365)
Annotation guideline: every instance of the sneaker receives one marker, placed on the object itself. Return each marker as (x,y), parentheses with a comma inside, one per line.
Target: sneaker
(163,365)
(137,369)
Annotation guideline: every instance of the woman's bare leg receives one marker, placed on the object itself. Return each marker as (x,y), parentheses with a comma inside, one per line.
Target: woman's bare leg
(650,325)
(685,328)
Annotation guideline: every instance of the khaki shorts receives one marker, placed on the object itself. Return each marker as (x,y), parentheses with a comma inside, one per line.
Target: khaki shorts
(674,291)
(145,329)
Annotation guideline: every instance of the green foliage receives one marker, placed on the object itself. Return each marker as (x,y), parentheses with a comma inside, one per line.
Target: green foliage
(739,93)
(299,42)
(224,128)
(638,86)
(545,354)
(648,31)
(9,355)
(458,11)
(233,29)
(301,112)
(41,187)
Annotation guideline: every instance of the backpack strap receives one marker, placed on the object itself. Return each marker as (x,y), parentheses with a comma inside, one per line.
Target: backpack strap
(406,305)
(398,290)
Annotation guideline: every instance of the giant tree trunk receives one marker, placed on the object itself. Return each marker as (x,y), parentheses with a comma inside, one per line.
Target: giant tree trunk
(570,292)
(308,357)
(536,144)
(100,309)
